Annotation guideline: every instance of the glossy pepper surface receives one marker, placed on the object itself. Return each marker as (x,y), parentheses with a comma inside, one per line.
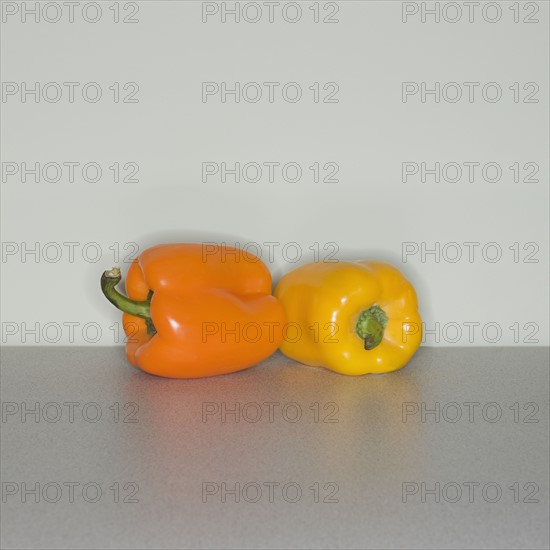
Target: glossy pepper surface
(195,310)
(350,317)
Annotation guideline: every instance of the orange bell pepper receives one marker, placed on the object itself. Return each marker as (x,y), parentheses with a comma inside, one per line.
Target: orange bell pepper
(197,310)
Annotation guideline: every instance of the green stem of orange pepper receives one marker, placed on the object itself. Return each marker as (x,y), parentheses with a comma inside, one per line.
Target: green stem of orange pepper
(109,280)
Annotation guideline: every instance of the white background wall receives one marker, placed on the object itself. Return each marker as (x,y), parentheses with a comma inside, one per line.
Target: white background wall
(171,130)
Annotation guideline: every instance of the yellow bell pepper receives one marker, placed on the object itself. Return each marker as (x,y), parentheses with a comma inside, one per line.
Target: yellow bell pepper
(350,317)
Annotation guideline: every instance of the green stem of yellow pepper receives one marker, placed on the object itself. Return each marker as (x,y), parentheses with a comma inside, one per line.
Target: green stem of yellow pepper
(370,326)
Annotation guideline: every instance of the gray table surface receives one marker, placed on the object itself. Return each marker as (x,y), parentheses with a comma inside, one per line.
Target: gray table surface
(364,456)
